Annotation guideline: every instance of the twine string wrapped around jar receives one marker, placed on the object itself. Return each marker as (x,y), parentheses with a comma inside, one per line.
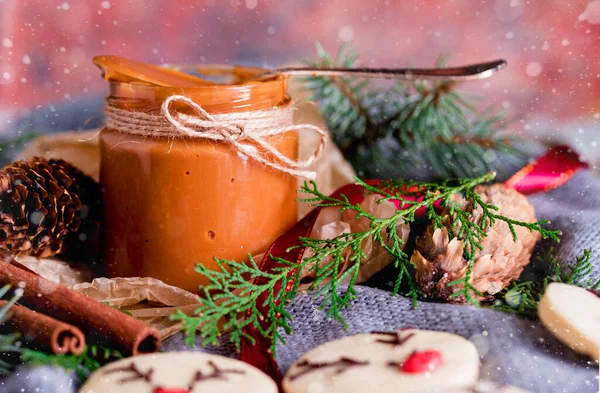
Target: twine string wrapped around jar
(243,130)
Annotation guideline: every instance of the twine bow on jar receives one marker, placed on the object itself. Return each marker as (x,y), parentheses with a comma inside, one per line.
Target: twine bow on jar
(246,131)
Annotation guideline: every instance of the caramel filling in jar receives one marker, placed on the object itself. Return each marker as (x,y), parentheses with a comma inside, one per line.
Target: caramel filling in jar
(171,203)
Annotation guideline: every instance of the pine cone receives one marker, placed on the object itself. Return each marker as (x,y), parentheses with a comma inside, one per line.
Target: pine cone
(47,207)
(439,259)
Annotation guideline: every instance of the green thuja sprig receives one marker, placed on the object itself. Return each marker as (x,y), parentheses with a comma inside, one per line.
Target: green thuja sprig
(229,300)
(523,297)
(472,233)
(232,290)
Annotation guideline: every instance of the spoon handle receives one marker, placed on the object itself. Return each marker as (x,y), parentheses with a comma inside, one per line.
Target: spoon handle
(463,73)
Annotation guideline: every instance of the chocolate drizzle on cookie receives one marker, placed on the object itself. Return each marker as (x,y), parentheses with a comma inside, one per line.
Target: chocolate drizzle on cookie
(341,365)
(137,373)
(597,293)
(397,338)
(216,373)
(199,376)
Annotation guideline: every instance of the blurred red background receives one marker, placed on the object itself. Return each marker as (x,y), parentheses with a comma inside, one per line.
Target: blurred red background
(552,47)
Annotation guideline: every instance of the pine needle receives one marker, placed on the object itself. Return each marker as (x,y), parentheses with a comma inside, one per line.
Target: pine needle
(410,125)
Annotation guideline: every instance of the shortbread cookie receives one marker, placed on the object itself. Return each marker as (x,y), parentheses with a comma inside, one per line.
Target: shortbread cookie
(572,314)
(407,360)
(178,372)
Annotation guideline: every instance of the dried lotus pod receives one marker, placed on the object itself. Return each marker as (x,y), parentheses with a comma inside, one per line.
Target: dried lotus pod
(439,260)
(45,205)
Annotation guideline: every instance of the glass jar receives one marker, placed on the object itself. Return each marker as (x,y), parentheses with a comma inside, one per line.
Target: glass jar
(171,203)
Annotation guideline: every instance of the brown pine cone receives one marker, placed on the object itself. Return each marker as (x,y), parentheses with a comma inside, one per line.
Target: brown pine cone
(439,259)
(47,207)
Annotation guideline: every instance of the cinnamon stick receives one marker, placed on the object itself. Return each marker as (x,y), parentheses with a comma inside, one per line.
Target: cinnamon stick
(100,323)
(43,332)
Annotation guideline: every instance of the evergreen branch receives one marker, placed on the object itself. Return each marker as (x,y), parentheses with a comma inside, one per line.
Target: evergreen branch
(232,290)
(523,297)
(117,308)
(229,300)
(344,96)
(414,121)
(7,341)
(92,358)
(467,288)
(8,145)
(579,273)
(472,233)
(485,142)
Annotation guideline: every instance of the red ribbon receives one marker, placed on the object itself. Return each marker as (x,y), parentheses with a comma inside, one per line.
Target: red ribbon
(549,171)
(258,353)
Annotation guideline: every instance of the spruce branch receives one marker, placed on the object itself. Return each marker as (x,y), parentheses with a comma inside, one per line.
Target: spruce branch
(523,297)
(343,96)
(229,300)
(411,122)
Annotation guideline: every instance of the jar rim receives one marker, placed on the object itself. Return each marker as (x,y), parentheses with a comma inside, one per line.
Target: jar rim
(241,94)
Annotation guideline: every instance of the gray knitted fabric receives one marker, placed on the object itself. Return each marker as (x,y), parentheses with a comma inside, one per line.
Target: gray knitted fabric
(514,350)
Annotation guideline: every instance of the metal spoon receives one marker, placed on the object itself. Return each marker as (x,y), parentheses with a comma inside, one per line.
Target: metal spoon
(463,73)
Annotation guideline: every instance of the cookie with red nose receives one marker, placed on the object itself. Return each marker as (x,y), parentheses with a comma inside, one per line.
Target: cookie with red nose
(178,372)
(406,360)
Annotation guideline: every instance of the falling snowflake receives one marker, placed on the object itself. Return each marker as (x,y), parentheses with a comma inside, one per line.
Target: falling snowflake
(533,69)
(346,33)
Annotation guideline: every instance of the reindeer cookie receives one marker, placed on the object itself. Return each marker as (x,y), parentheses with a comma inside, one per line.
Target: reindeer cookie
(406,360)
(178,372)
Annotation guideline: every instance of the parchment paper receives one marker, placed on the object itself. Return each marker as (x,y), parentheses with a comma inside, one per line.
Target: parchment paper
(147,299)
